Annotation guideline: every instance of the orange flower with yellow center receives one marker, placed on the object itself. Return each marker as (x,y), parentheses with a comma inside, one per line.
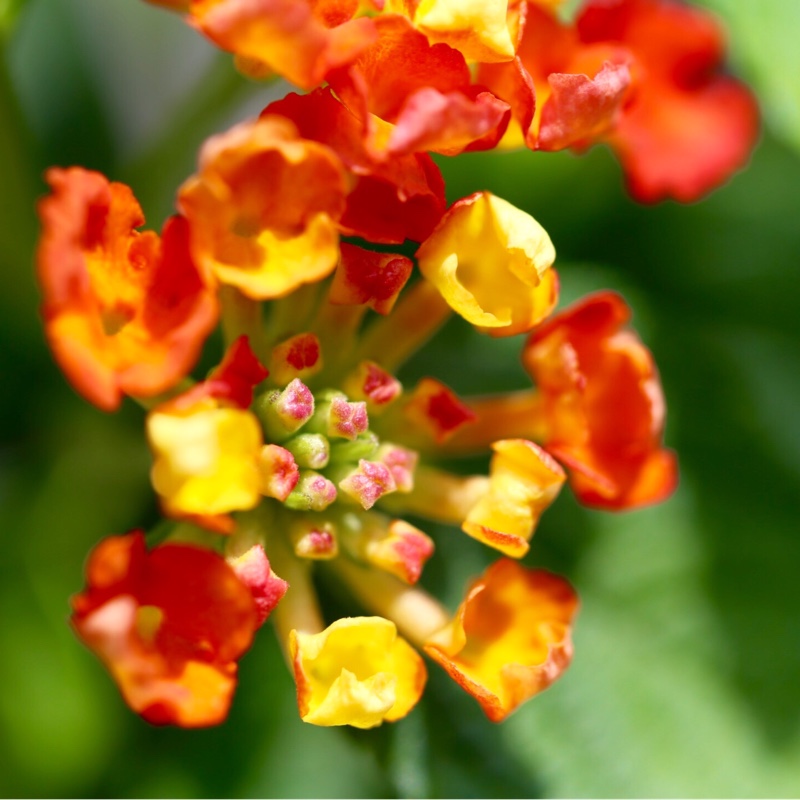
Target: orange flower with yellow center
(125,312)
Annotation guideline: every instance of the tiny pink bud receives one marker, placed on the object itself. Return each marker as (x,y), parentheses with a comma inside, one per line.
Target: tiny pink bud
(401,463)
(368,483)
(278,471)
(346,420)
(253,570)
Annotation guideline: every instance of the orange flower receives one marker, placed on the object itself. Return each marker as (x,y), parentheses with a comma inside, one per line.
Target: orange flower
(602,405)
(125,312)
(688,126)
(412,96)
(169,625)
(510,638)
(301,41)
(264,206)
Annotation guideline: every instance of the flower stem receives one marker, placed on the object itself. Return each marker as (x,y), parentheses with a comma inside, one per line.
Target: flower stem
(417,615)
(391,340)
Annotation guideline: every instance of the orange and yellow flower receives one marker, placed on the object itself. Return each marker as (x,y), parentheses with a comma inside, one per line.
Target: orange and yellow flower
(263,208)
(510,638)
(125,312)
(169,624)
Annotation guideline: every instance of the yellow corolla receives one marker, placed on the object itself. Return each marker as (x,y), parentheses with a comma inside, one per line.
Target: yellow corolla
(205,458)
(510,638)
(478,28)
(357,672)
(523,481)
(492,263)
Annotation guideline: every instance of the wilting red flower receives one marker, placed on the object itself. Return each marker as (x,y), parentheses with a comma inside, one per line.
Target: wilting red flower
(645,76)
(563,93)
(125,312)
(602,409)
(169,624)
(510,638)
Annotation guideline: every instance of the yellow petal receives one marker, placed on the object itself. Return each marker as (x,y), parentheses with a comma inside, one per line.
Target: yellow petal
(523,481)
(356,672)
(492,262)
(478,28)
(205,462)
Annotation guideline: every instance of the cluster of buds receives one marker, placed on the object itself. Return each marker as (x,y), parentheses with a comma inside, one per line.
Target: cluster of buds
(302,453)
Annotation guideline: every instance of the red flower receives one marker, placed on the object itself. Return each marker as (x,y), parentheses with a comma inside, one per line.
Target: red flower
(601,404)
(169,624)
(688,126)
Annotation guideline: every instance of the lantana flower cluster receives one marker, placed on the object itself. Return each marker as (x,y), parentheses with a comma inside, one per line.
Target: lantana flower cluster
(302,452)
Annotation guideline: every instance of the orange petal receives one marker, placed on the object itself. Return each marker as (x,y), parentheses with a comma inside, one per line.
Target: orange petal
(602,403)
(510,638)
(285,35)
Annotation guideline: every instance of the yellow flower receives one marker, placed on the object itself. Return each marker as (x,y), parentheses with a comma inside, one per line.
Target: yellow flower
(492,262)
(523,481)
(205,458)
(356,672)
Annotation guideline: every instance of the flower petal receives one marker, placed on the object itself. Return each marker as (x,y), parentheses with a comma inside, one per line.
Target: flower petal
(510,638)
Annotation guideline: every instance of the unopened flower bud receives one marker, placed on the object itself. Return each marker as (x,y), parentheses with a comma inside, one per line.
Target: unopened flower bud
(282,413)
(314,492)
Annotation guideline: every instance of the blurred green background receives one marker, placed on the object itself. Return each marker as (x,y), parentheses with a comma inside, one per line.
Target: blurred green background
(686,679)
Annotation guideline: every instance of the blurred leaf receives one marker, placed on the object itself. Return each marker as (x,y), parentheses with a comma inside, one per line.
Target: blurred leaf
(644,711)
(9,11)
